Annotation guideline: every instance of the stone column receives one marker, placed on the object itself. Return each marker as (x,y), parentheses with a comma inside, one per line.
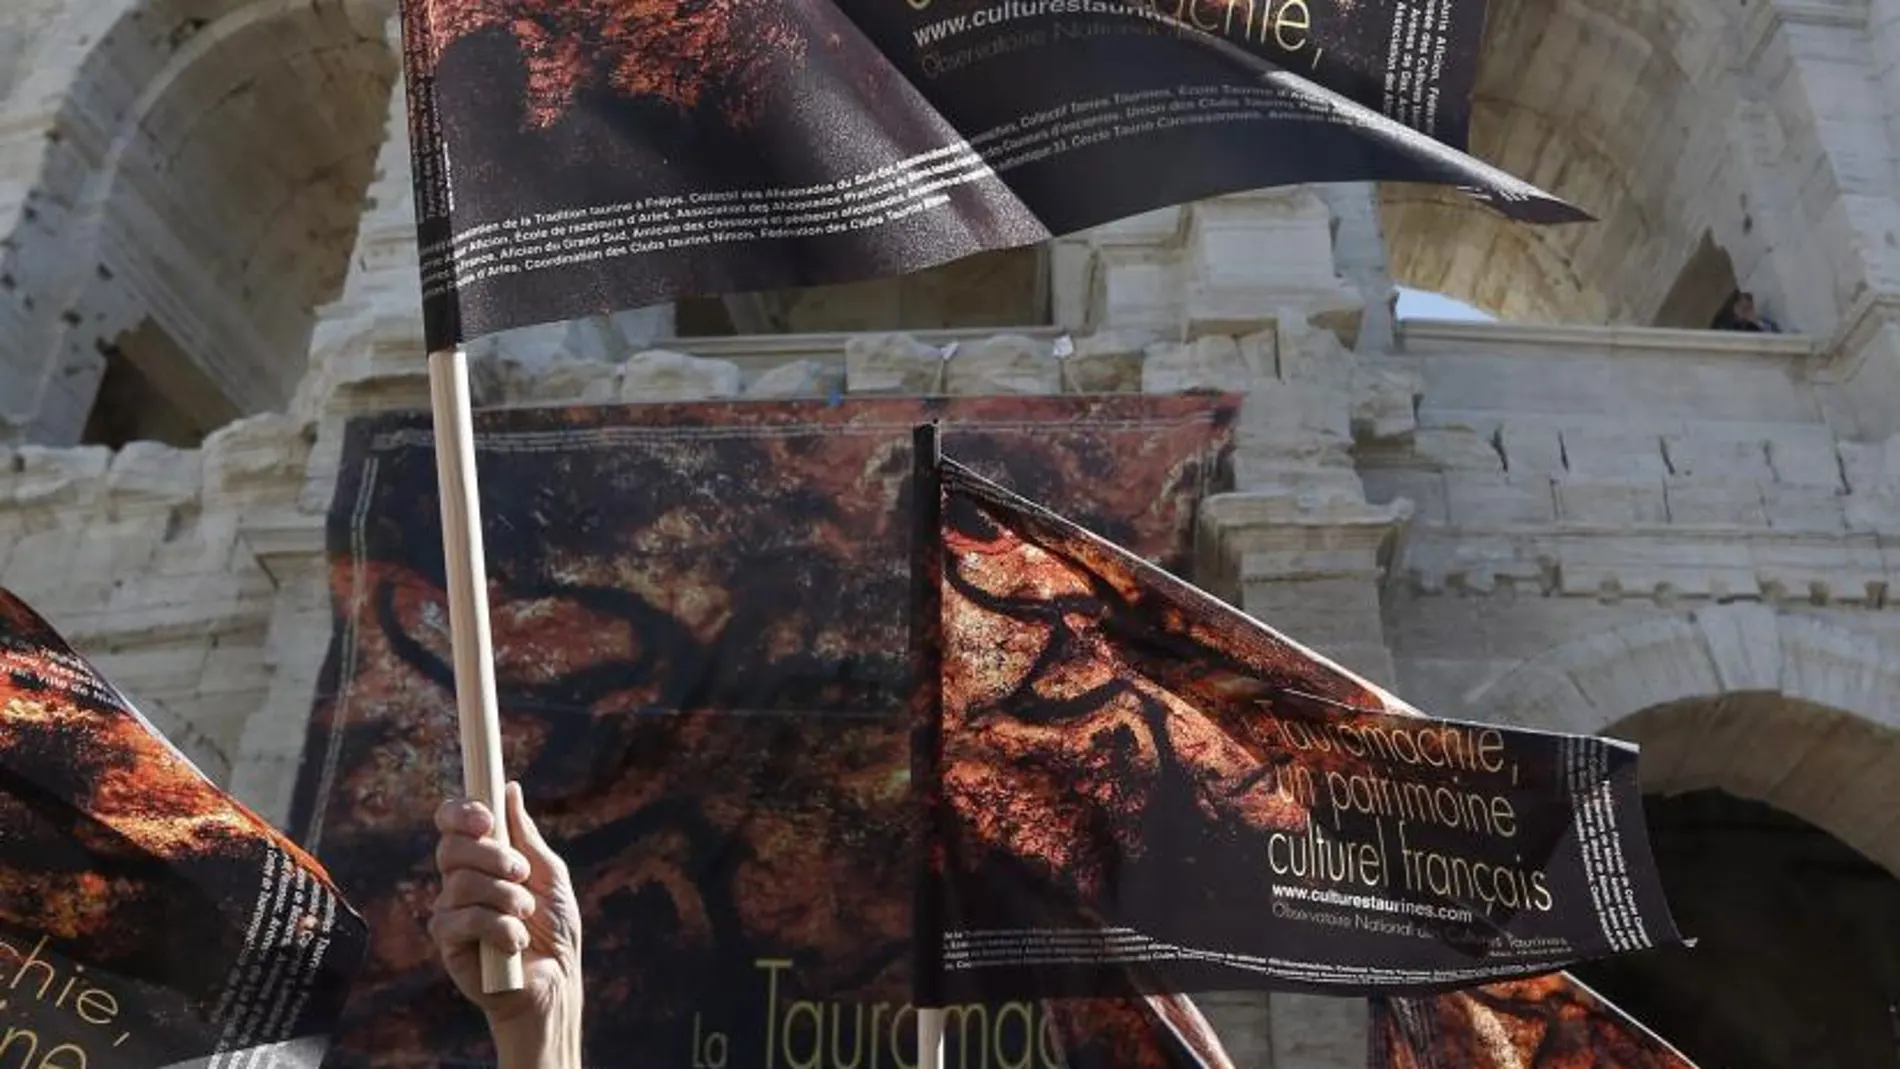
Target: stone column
(1298,547)
(1360,256)
(1821,68)
(35,227)
(1314,574)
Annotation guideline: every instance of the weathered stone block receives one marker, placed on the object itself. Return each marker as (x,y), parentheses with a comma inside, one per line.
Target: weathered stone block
(1879,511)
(151,474)
(1816,509)
(495,379)
(1690,566)
(1240,1018)
(1231,288)
(198,542)
(1071,263)
(1614,452)
(1806,459)
(173,666)
(596,340)
(1212,363)
(1871,467)
(40,566)
(567,378)
(259,454)
(1385,403)
(120,549)
(614,336)
(56,478)
(234,665)
(1588,500)
(1481,500)
(1135,291)
(1006,363)
(1104,362)
(1322,613)
(1714,502)
(1697,454)
(1457,449)
(891,364)
(1531,447)
(799,378)
(1424,489)
(660,375)
(1745,643)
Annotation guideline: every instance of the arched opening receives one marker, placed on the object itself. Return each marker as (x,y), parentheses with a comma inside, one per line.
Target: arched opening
(1774,831)
(1706,281)
(1797,961)
(1611,103)
(152,391)
(1002,289)
(1424,304)
(224,152)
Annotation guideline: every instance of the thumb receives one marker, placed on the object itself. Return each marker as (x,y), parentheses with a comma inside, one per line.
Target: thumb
(527,837)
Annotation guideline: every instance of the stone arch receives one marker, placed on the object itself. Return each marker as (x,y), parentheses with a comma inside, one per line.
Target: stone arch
(1623,106)
(1771,755)
(20,35)
(1792,710)
(1797,954)
(220,153)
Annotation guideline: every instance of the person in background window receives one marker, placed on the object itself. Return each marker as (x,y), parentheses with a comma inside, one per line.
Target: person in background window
(512,899)
(1740,314)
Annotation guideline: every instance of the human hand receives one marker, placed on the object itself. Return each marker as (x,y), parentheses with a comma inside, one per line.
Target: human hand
(513,899)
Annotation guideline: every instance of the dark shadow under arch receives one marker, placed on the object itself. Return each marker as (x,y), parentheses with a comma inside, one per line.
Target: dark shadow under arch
(1797,964)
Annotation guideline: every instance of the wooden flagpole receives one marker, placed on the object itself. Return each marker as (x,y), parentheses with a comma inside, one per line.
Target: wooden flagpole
(466,571)
(926,638)
(930,1037)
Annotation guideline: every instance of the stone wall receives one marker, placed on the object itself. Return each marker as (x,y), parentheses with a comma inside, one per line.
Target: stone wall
(1686,539)
(149,560)
(180,184)
(1454,522)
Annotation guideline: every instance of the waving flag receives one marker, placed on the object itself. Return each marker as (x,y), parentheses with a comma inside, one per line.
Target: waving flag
(147,920)
(575,157)
(1547,1022)
(1131,788)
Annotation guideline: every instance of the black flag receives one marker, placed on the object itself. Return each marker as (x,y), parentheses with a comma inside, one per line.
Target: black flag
(146,918)
(577,157)
(1235,811)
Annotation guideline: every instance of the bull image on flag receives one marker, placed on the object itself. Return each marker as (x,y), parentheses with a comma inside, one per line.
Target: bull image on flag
(147,919)
(1239,812)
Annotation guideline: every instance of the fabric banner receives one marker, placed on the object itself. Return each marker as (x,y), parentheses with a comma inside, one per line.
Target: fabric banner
(1136,788)
(1549,1022)
(147,919)
(700,615)
(578,157)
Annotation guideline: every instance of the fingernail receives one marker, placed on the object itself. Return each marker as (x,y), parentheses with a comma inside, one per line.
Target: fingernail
(518,867)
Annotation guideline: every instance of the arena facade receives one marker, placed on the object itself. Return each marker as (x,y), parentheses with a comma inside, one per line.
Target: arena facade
(1592,515)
